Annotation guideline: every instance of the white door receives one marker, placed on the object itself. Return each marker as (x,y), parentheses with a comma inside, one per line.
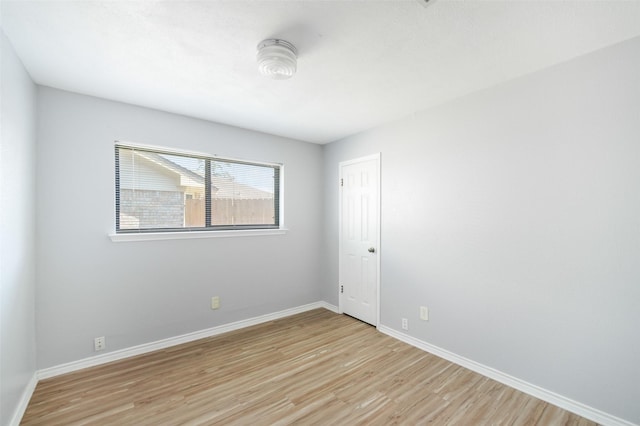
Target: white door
(359,238)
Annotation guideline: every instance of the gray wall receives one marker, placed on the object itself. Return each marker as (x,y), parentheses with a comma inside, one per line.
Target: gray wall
(138,292)
(514,215)
(17,233)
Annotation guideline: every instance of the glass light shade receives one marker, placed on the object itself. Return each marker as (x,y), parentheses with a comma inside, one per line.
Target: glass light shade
(277,59)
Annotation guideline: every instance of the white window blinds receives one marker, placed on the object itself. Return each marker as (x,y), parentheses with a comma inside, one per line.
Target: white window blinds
(171,191)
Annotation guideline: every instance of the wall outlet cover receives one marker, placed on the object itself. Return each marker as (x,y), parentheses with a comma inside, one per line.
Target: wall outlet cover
(215,302)
(99,343)
(405,324)
(424,313)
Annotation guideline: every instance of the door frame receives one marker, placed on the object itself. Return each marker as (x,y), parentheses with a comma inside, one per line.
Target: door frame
(341,164)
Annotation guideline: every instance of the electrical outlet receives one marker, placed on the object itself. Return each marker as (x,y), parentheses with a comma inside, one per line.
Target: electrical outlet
(215,302)
(99,343)
(424,313)
(405,324)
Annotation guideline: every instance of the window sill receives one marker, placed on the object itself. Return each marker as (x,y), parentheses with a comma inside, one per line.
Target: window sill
(156,236)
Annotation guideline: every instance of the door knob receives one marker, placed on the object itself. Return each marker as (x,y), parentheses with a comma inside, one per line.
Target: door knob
(372,250)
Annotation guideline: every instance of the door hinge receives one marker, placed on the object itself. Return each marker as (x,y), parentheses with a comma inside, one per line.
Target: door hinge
(341,289)
(341,182)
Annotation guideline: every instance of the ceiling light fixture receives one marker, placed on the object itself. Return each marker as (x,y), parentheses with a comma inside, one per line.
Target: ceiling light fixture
(277,58)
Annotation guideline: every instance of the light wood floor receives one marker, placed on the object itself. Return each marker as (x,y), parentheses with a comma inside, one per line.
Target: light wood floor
(313,368)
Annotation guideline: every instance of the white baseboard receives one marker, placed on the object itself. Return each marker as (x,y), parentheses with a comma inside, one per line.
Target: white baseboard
(329,307)
(24,401)
(172,341)
(576,407)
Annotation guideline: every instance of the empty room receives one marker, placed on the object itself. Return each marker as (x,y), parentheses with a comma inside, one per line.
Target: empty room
(320,212)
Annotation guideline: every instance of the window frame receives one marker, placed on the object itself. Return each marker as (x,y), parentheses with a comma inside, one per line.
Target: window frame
(208,230)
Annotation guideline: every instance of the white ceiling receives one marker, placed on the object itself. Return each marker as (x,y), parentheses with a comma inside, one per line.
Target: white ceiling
(361,63)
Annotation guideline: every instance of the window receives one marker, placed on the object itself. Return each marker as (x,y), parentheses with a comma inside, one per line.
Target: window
(164,190)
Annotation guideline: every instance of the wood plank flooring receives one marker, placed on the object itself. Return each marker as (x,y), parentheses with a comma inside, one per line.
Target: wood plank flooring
(313,368)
